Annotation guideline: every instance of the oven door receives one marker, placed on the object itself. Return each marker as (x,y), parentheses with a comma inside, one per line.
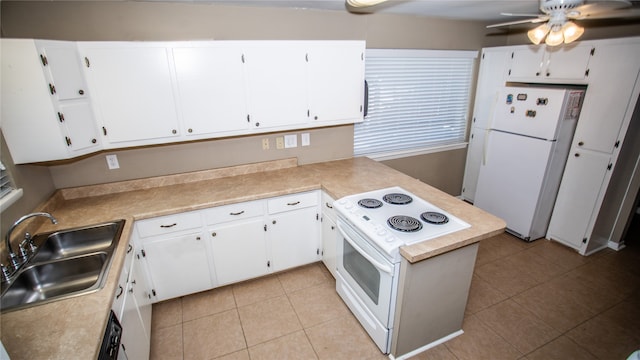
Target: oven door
(371,277)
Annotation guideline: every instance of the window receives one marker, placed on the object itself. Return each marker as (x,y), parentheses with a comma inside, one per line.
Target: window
(418,102)
(8,193)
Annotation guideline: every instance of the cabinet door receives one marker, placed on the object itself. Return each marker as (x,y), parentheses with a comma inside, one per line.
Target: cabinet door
(276,84)
(135,342)
(142,292)
(239,250)
(82,133)
(577,198)
(62,66)
(329,243)
(527,62)
(133,93)
(567,62)
(211,89)
(294,238)
(475,156)
(178,266)
(336,82)
(612,77)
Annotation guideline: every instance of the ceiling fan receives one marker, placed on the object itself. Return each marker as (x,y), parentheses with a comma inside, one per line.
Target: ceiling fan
(557,16)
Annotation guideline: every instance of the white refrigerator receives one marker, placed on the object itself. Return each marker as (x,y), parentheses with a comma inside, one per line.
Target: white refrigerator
(524,155)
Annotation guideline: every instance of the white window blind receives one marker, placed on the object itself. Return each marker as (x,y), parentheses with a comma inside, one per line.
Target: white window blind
(417,100)
(8,193)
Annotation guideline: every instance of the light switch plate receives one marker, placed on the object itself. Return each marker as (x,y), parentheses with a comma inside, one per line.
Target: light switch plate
(290,141)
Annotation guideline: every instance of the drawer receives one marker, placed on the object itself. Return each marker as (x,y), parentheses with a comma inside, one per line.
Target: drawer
(168,224)
(293,202)
(327,206)
(233,212)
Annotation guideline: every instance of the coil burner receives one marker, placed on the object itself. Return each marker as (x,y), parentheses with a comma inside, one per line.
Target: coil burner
(404,223)
(433,217)
(397,199)
(370,203)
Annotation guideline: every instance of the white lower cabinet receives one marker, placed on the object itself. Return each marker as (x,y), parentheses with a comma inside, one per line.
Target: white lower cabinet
(132,306)
(178,265)
(239,250)
(329,234)
(294,238)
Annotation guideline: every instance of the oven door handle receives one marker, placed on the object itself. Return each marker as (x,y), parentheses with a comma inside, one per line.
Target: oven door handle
(364,254)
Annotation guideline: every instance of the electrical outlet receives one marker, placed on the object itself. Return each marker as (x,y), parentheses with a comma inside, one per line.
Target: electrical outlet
(290,141)
(265,144)
(305,139)
(279,142)
(112,162)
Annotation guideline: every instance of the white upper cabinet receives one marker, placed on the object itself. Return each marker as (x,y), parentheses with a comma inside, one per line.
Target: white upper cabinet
(62,65)
(612,77)
(132,91)
(40,107)
(276,84)
(210,79)
(548,64)
(332,63)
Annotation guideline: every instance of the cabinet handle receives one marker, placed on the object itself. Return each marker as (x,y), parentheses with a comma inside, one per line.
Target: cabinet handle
(328,205)
(168,226)
(237,213)
(577,155)
(273,222)
(214,234)
(190,130)
(333,227)
(129,248)
(293,203)
(174,131)
(257,124)
(93,141)
(120,292)
(198,238)
(581,143)
(81,92)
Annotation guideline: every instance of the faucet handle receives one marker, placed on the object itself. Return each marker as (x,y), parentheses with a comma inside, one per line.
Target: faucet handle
(6,273)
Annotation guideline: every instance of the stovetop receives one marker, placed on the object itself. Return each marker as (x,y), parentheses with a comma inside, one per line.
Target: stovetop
(394,217)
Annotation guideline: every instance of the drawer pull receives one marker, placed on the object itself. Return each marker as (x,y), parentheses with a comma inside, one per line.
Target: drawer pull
(237,213)
(328,205)
(120,292)
(168,226)
(293,203)
(129,248)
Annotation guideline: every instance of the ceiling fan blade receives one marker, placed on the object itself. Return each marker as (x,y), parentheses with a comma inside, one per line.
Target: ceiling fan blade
(364,3)
(517,22)
(516,14)
(596,8)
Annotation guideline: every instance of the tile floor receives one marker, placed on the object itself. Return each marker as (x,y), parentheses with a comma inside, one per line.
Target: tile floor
(531,301)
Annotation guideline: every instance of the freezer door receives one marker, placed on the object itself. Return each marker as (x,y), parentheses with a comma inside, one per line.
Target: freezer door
(511,181)
(531,112)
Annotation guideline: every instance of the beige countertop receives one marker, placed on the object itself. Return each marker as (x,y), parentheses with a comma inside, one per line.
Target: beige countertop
(73,328)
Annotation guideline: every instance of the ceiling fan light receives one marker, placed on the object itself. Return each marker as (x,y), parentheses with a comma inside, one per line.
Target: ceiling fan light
(537,34)
(571,32)
(555,37)
(364,3)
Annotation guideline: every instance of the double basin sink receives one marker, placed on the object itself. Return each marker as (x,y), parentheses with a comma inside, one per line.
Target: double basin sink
(67,263)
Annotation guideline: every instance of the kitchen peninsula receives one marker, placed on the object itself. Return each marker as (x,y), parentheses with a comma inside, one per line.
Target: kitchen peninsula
(76,325)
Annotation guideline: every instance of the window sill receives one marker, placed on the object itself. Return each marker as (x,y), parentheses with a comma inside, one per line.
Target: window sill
(9,199)
(414,152)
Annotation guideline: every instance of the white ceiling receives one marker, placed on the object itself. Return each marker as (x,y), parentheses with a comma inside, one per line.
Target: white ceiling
(482,10)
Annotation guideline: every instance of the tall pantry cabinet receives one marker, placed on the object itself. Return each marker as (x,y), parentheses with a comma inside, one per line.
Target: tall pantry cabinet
(608,69)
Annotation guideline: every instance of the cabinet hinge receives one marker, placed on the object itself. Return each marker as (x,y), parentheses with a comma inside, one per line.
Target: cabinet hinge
(242,58)
(265,227)
(44,60)
(153,292)
(617,144)
(144,254)
(609,166)
(512,53)
(586,73)
(509,73)
(306,57)
(104,131)
(362,56)
(308,113)
(268,263)
(483,56)
(472,136)
(86,62)
(463,189)
(317,216)
(584,240)
(248,118)
(593,51)
(60,116)
(317,251)
(68,140)
(52,89)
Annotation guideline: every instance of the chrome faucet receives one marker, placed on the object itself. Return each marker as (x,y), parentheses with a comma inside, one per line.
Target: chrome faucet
(13,257)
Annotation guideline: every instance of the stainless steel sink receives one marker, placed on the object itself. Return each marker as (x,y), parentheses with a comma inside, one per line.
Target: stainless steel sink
(68,263)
